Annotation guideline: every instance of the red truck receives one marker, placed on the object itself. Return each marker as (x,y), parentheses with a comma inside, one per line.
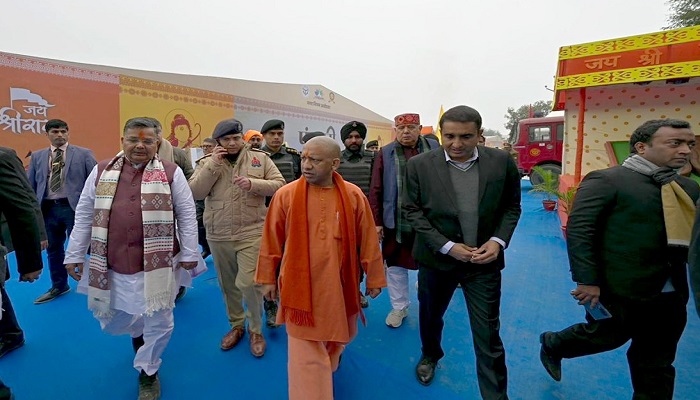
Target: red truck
(539,141)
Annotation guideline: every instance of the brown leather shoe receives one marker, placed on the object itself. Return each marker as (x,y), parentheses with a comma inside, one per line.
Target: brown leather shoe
(257,344)
(232,338)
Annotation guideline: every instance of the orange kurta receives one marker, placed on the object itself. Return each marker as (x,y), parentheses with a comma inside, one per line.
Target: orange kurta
(325,252)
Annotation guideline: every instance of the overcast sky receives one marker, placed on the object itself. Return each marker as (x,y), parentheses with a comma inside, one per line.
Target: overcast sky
(390,56)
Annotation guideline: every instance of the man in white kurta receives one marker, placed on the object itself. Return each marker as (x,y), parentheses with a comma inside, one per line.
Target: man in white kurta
(142,254)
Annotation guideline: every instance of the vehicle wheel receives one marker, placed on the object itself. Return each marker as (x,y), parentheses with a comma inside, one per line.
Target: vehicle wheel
(537,179)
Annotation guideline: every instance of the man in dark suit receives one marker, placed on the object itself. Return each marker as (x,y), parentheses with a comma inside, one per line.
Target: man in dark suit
(627,239)
(464,204)
(57,175)
(18,205)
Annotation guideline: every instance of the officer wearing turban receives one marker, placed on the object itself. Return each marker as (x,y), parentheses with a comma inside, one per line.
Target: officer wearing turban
(356,164)
(253,138)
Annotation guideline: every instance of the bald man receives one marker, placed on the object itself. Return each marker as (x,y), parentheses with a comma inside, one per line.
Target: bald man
(318,278)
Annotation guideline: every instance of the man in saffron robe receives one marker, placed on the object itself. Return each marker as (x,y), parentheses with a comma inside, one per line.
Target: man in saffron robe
(318,264)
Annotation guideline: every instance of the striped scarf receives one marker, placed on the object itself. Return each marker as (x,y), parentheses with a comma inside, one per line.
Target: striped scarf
(158,238)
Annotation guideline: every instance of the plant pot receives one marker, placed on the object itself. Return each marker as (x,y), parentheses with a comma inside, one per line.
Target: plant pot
(549,205)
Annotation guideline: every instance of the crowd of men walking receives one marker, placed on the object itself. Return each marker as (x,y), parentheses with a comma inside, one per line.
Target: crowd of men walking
(293,234)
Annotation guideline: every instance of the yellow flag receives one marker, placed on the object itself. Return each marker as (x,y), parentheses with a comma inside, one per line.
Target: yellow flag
(438,131)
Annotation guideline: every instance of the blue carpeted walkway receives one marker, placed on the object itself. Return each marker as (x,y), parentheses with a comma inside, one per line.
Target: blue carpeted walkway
(67,357)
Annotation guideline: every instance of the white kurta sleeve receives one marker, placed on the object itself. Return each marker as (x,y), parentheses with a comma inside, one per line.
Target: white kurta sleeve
(186,217)
(82,226)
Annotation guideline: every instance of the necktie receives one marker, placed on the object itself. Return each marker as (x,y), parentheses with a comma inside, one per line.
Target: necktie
(56,169)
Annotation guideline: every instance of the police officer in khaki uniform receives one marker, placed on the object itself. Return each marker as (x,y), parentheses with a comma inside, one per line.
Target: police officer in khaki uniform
(234,181)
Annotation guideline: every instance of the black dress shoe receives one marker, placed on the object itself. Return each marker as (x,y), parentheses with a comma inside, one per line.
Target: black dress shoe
(425,371)
(136,343)
(270,313)
(50,295)
(7,346)
(6,393)
(149,386)
(181,293)
(551,363)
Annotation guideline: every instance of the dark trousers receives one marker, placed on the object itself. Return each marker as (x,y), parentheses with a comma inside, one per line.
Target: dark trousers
(482,292)
(9,328)
(201,231)
(58,219)
(5,393)
(654,326)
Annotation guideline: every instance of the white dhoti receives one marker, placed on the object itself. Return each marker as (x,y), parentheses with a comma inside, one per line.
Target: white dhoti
(156,330)
(129,305)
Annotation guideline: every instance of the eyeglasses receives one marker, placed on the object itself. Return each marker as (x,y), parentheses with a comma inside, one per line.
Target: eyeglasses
(147,142)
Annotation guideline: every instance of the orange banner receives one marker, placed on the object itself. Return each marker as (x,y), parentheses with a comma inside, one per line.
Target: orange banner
(670,54)
(31,93)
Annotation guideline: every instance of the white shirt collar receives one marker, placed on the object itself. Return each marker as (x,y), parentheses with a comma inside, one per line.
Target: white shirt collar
(471,159)
(63,148)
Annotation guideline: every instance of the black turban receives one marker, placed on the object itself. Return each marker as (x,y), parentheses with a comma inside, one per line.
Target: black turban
(353,126)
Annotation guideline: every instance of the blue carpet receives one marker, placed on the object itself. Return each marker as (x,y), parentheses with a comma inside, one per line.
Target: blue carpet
(67,357)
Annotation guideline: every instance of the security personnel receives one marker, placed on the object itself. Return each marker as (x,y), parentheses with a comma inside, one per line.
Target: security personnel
(310,136)
(356,166)
(355,162)
(287,160)
(235,179)
(372,145)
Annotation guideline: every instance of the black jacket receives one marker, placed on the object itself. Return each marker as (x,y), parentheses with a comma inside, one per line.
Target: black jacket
(430,205)
(19,206)
(616,236)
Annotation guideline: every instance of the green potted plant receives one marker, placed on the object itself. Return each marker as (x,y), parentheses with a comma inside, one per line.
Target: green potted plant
(567,198)
(549,187)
